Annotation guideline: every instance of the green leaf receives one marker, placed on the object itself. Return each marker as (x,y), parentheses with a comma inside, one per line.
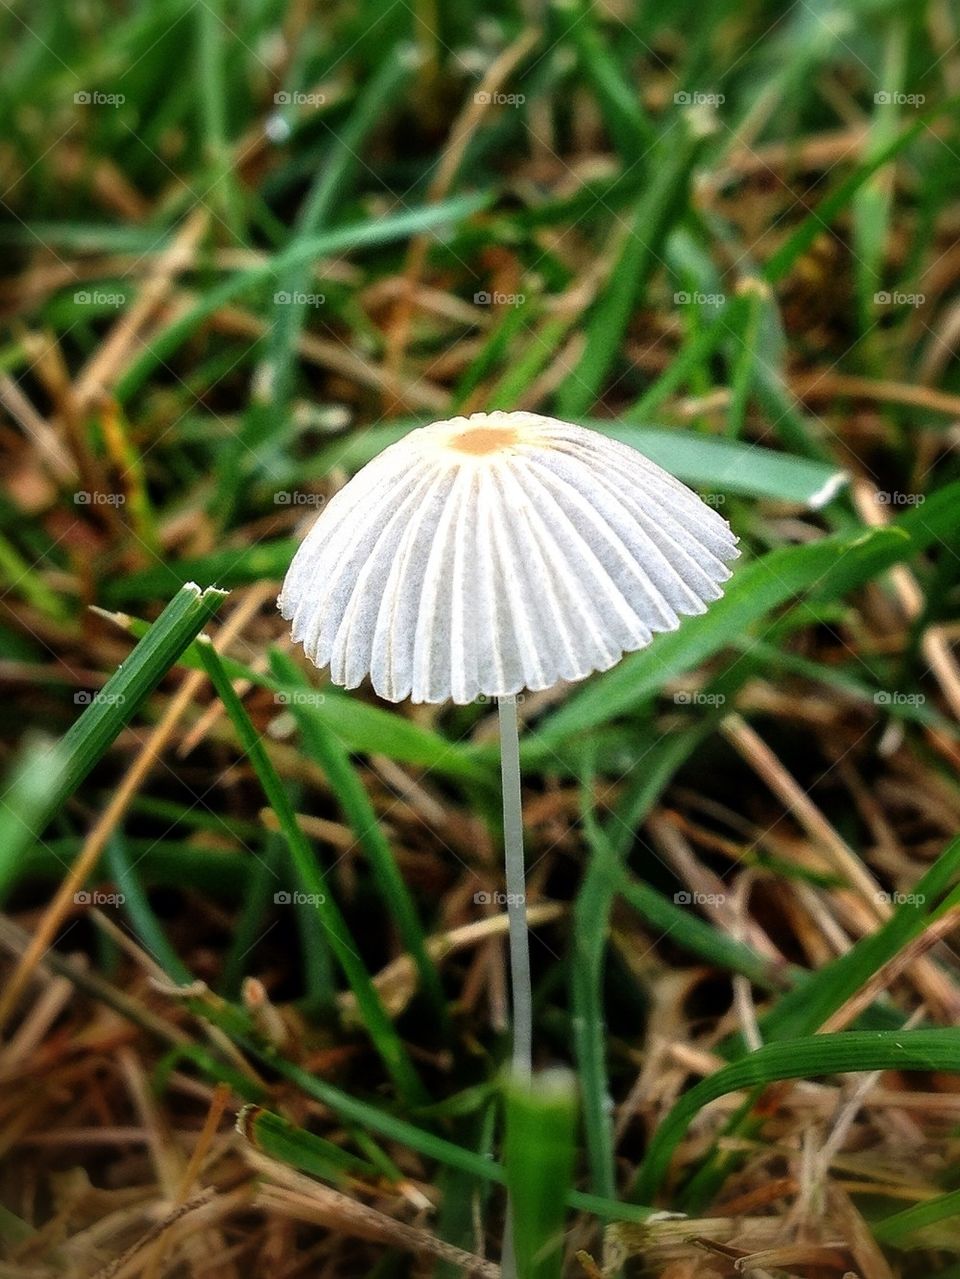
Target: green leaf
(897,1228)
(807,1058)
(732,466)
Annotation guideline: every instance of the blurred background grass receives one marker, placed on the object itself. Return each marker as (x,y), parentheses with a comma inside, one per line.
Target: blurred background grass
(245,246)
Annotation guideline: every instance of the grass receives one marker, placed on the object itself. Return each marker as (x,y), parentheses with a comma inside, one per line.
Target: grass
(246,246)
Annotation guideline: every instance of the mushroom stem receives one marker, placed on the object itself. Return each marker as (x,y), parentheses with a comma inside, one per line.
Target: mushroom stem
(522,998)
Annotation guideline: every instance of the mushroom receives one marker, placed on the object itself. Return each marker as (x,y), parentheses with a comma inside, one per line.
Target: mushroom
(482,556)
(489,554)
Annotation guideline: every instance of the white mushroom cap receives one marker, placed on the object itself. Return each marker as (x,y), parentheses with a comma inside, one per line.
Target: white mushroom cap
(498,552)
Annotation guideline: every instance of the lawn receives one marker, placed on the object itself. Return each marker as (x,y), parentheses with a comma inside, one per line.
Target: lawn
(255,1005)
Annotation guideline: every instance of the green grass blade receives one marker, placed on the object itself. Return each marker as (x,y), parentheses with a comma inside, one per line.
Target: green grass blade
(332,182)
(802,1011)
(381,1030)
(539,1152)
(114,706)
(339,240)
(30,793)
(812,1058)
(324,745)
(670,172)
(146,927)
(897,1228)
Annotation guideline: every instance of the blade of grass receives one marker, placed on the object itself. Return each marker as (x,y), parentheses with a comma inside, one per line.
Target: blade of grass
(539,1152)
(326,748)
(897,1228)
(146,927)
(211,29)
(808,1058)
(30,792)
(337,241)
(89,737)
(670,166)
(823,992)
(361,727)
(332,182)
(378,1025)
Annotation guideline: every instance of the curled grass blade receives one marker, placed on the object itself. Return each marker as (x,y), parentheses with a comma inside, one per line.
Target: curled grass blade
(812,1057)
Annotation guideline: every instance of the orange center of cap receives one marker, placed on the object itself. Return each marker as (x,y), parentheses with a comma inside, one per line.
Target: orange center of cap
(480,440)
